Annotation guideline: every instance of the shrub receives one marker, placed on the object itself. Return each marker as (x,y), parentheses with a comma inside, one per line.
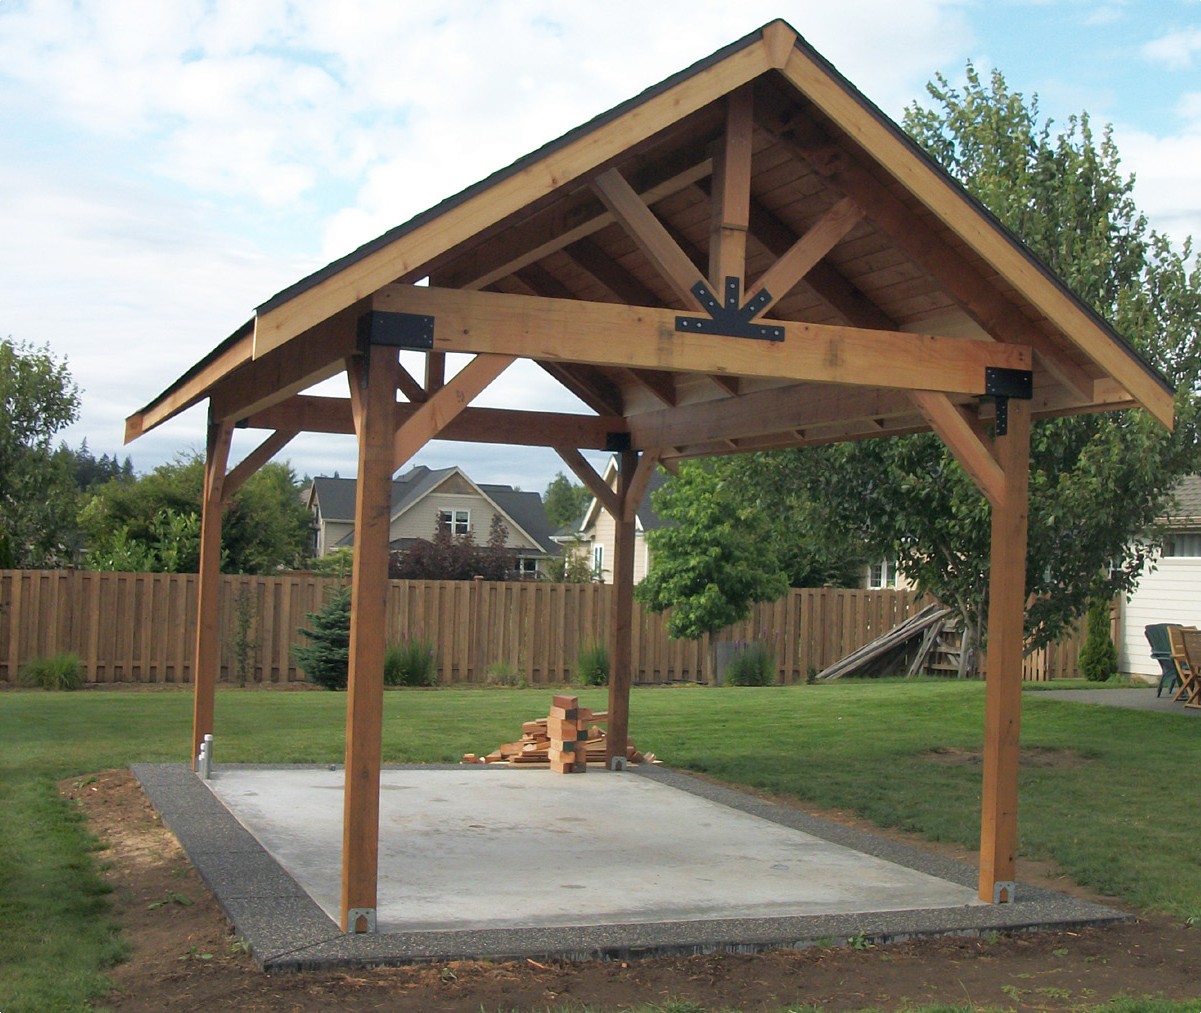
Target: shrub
(753,664)
(60,671)
(501,673)
(327,659)
(1098,656)
(412,662)
(592,664)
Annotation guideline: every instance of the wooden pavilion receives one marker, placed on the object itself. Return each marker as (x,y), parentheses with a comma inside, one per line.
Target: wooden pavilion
(749,255)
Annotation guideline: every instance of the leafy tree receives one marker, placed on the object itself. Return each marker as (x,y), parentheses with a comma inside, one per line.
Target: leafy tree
(565,502)
(326,659)
(715,559)
(1098,482)
(38,398)
(153,522)
(573,565)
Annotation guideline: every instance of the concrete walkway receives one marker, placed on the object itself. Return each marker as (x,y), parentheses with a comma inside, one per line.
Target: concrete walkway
(1136,698)
(494,862)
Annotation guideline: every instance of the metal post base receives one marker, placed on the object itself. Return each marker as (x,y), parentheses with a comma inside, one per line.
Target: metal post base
(354,915)
(1004,892)
(617,763)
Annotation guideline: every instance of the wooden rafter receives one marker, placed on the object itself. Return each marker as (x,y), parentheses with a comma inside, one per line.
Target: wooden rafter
(643,337)
(659,382)
(253,461)
(317,355)
(731,202)
(806,253)
(312,414)
(996,315)
(589,386)
(445,404)
(641,480)
(656,243)
(592,481)
(975,455)
(765,412)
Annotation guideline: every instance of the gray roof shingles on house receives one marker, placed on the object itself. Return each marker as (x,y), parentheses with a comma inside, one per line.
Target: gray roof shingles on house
(336,498)
(1187,509)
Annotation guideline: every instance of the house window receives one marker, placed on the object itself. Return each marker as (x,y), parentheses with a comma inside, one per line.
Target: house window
(457,522)
(598,561)
(527,566)
(882,574)
(1183,544)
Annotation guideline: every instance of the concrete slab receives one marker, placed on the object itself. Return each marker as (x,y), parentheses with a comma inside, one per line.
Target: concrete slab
(499,862)
(1133,698)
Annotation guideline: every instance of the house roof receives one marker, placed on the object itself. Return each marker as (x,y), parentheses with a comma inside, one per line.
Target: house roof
(895,297)
(1186,512)
(521,510)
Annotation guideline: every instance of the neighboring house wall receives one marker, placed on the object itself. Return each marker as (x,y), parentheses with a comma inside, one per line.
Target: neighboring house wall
(420,520)
(1169,594)
(330,533)
(603,535)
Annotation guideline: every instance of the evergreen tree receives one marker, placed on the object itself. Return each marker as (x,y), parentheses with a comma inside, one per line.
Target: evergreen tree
(326,660)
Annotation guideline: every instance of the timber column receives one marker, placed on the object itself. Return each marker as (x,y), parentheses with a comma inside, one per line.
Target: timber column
(1003,691)
(621,623)
(208,648)
(369,594)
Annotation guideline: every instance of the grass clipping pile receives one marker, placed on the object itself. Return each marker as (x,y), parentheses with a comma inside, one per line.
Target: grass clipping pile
(568,739)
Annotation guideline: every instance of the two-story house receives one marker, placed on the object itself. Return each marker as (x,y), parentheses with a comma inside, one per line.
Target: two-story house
(422,499)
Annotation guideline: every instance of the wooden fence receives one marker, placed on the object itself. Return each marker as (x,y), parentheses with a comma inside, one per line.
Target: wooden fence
(140,627)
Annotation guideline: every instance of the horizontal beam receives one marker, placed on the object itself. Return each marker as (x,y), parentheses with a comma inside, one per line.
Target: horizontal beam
(312,414)
(565,330)
(764,412)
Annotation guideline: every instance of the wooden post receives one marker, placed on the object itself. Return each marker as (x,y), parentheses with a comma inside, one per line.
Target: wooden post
(208,647)
(365,689)
(1003,692)
(621,621)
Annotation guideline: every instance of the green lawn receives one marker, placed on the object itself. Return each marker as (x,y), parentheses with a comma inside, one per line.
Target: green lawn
(1114,806)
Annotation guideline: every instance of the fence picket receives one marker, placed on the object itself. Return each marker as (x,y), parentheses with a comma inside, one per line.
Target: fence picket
(141,627)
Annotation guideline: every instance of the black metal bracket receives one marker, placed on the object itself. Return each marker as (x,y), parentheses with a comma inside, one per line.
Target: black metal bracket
(731,319)
(396,330)
(617,441)
(1002,384)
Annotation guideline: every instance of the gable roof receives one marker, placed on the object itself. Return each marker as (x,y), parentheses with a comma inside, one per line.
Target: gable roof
(912,282)
(522,511)
(1186,511)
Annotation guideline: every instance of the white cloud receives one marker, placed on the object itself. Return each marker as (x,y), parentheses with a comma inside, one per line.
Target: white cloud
(1175,50)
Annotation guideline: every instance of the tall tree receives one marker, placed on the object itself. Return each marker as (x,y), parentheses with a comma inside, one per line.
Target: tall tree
(1098,482)
(153,522)
(38,398)
(564,501)
(715,557)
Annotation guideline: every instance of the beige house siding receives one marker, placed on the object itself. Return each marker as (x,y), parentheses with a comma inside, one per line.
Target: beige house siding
(603,533)
(330,533)
(1169,594)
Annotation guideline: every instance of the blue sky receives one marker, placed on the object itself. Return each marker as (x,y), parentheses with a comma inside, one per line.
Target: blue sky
(165,167)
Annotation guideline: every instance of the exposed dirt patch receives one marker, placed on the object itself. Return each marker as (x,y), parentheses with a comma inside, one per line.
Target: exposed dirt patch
(1032,756)
(184,956)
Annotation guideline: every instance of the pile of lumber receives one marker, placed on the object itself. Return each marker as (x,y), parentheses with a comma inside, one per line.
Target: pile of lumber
(906,647)
(568,739)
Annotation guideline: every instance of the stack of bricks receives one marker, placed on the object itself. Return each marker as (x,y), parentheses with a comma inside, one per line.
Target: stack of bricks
(567,726)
